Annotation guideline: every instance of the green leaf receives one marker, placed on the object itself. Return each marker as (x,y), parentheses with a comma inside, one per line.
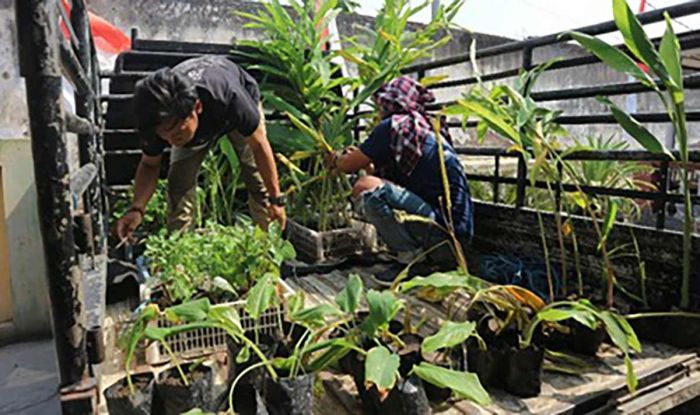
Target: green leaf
(612,57)
(671,58)
(631,377)
(382,368)
(643,136)
(223,285)
(243,355)
(349,297)
(464,384)
(445,280)
(450,335)
(315,316)
(260,296)
(188,312)
(609,222)
(495,121)
(635,38)
(383,307)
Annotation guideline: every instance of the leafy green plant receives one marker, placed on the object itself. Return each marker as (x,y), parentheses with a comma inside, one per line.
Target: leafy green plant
(216,260)
(391,42)
(302,82)
(188,316)
(618,329)
(373,335)
(664,63)
(219,186)
(534,131)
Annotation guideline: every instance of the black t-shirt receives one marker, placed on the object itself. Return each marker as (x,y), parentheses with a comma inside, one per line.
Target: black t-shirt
(229,97)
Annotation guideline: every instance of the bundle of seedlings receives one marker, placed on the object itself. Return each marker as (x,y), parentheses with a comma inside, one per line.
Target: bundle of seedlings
(217,262)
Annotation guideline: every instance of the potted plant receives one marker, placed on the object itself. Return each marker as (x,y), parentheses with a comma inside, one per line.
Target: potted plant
(663,62)
(123,400)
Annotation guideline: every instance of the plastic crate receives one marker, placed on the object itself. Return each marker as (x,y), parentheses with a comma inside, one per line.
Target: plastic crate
(202,342)
(317,246)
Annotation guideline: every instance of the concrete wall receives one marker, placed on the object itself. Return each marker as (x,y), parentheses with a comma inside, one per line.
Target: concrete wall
(215,21)
(27,267)
(14,122)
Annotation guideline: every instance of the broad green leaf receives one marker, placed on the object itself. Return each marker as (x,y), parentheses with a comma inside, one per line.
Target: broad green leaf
(669,50)
(612,57)
(295,303)
(450,335)
(643,136)
(445,280)
(223,285)
(349,297)
(494,121)
(383,307)
(381,368)
(316,315)
(260,296)
(188,312)
(636,40)
(464,384)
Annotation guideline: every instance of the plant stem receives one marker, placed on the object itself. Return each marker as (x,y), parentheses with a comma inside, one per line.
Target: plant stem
(682,131)
(546,256)
(235,382)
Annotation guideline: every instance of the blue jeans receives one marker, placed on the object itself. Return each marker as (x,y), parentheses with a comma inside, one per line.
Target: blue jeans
(408,236)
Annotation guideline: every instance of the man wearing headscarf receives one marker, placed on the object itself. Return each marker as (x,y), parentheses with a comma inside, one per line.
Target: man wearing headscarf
(402,151)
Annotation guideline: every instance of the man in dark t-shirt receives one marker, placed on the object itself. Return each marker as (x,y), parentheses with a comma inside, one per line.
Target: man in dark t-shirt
(188,108)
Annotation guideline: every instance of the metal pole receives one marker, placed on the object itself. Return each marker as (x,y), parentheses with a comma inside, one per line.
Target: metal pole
(39,61)
(85,107)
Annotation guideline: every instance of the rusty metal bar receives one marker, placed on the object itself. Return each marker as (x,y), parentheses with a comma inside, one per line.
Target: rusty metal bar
(680,10)
(79,125)
(37,27)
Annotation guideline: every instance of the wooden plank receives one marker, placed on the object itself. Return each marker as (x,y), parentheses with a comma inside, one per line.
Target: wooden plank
(5,281)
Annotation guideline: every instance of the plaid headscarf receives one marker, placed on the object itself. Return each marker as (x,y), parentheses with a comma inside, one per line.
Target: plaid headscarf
(404,100)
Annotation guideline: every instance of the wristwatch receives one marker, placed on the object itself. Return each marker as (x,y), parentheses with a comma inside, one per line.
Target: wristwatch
(280,200)
(138,209)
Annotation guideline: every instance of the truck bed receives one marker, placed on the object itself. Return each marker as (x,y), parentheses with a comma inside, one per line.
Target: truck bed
(668,377)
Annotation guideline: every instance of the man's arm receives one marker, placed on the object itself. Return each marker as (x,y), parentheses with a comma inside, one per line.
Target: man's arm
(265,161)
(145,183)
(146,180)
(352,161)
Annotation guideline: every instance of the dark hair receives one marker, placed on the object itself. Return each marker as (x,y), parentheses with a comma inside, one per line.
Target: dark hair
(163,95)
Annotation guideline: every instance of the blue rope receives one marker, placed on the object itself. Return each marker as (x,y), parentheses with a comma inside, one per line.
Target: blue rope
(530,273)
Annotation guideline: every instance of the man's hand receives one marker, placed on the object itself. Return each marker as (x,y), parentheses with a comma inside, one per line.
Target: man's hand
(277,213)
(127,223)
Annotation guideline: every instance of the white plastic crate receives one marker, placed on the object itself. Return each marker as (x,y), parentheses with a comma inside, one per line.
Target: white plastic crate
(201,342)
(317,246)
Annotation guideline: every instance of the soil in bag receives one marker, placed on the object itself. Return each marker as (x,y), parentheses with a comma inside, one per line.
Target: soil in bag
(290,396)
(524,377)
(121,401)
(458,357)
(490,365)
(585,340)
(173,397)
(682,332)
(250,387)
